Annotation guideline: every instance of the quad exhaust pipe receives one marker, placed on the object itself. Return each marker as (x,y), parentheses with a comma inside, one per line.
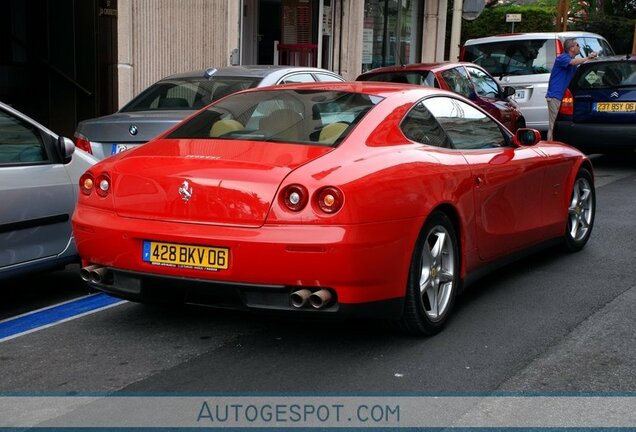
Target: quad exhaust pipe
(317,299)
(96,274)
(320,299)
(300,298)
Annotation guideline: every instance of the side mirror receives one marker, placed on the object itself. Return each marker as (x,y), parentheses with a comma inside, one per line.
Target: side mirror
(472,96)
(527,137)
(65,148)
(508,91)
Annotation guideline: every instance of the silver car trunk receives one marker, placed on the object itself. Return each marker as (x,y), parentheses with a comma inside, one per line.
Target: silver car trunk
(107,133)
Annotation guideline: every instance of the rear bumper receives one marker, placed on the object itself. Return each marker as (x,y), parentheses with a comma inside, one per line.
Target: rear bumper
(361,265)
(596,137)
(150,288)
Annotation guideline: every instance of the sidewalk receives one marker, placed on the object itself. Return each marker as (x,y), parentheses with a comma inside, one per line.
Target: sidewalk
(598,356)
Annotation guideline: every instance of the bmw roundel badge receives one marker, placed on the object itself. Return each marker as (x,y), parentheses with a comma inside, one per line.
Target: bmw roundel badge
(133,130)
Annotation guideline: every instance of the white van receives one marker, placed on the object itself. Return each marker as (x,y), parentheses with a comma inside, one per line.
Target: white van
(524,61)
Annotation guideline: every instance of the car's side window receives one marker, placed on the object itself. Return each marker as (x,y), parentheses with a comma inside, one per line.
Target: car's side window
(20,142)
(466,126)
(457,80)
(484,84)
(298,78)
(420,126)
(327,78)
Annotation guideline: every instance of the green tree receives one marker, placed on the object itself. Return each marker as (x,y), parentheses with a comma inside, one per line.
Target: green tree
(535,17)
(613,19)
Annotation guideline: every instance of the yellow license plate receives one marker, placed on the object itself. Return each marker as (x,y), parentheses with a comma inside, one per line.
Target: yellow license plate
(615,106)
(186,256)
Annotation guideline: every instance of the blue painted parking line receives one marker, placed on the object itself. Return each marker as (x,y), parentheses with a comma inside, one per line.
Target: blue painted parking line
(52,315)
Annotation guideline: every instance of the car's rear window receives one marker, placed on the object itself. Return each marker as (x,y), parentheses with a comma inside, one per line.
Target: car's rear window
(424,78)
(188,93)
(514,57)
(598,74)
(319,117)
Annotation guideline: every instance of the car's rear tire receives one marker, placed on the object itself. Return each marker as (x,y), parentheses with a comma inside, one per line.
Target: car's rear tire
(433,278)
(581,212)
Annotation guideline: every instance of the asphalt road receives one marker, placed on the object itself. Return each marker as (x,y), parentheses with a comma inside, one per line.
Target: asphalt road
(552,322)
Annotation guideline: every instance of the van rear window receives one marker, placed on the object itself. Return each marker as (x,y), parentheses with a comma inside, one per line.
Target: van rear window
(515,57)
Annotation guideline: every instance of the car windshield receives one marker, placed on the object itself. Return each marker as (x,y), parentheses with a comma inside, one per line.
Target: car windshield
(424,78)
(188,93)
(515,57)
(319,117)
(606,75)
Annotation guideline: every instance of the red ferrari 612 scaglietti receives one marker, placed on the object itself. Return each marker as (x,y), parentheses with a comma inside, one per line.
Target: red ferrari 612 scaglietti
(361,198)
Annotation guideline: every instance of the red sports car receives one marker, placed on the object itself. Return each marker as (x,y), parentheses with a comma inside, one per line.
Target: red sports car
(359,198)
(466,79)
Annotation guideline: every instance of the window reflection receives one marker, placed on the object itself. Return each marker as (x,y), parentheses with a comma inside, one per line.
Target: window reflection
(19,141)
(392,33)
(420,126)
(466,126)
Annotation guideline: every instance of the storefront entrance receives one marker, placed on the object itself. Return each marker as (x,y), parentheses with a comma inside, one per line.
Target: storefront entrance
(286,32)
(58,59)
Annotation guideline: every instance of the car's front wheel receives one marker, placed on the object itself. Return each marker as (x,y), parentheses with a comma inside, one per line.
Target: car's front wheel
(581,212)
(433,277)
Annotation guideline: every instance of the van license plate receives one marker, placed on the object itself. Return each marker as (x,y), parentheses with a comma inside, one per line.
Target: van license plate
(186,256)
(520,94)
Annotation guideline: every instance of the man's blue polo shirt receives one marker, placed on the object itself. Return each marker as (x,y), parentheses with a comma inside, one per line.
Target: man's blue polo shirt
(562,73)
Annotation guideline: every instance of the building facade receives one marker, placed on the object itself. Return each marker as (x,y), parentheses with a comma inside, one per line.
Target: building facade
(91,57)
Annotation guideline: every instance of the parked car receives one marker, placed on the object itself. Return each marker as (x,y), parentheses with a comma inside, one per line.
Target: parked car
(170,100)
(361,198)
(467,79)
(598,110)
(39,175)
(524,61)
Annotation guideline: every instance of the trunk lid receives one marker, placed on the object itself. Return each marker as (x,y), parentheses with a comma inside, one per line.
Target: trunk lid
(221,182)
(121,131)
(605,105)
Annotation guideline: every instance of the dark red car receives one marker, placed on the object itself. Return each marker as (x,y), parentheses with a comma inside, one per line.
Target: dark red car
(466,79)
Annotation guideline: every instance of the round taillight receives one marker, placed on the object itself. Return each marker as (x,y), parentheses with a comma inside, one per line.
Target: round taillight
(103,185)
(295,197)
(86,183)
(329,199)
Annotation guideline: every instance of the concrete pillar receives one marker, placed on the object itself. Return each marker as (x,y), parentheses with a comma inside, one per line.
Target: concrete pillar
(456,30)
(124,52)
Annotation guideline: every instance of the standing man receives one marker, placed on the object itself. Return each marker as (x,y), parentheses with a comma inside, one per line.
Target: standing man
(562,72)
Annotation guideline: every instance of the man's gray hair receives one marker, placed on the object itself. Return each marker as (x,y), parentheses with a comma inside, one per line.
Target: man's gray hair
(569,43)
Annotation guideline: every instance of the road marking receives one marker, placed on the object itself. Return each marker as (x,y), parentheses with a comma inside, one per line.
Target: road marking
(53,315)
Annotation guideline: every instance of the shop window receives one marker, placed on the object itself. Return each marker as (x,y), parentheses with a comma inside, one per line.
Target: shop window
(392,33)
